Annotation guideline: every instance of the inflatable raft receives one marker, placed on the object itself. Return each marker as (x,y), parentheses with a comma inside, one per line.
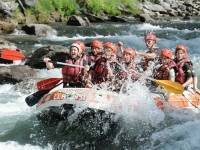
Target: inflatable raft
(185,100)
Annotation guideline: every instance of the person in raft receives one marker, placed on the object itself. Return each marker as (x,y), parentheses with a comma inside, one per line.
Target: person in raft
(185,73)
(73,76)
(105,68)
(96,52)
(167,68)
(153,51)
(129,65)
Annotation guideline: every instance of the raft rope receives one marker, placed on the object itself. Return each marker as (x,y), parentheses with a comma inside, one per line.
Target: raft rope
(190,101)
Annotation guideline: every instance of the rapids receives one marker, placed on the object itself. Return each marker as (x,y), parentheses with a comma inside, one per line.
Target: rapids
(143,128)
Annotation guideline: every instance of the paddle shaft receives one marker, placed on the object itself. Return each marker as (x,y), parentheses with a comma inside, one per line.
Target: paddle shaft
(72,65)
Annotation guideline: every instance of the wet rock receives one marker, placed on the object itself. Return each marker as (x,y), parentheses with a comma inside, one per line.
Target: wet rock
(7,27)
(39,30)
(56,53)
(6,44)
(145,18)
(94,18)
(117,19)
(14,74)
(78,21)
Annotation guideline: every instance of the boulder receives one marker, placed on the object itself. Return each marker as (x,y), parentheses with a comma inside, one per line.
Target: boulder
(56,53)
(145,18)
(78,21)
(154,7)
(7,27)
(39,30)
(7,7)
(14,74)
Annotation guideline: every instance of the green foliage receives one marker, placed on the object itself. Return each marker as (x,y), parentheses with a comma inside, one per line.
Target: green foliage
(111,6)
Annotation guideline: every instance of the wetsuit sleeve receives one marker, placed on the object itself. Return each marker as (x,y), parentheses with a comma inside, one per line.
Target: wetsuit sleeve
(188,71)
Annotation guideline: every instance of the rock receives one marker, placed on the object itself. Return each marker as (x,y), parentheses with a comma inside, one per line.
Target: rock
(7,44)
(14,74)
(94,18)
(7,7)
(56,53)
(29,3)
(117,19)
(154,7)
(7,27)
(145,18)
(78,21)
(39,30)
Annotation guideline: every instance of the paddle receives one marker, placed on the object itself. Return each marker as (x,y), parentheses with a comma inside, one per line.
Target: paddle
(170,86)
(44,87)
(48,83)
(8,54)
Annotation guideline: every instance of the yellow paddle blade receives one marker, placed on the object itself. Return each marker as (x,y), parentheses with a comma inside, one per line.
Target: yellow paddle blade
(170,86)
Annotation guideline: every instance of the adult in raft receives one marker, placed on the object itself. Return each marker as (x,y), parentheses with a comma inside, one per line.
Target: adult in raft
(107,67)
(167,68)
(129,65)
(185,73)
(96,52)
(72,76)
(153,51)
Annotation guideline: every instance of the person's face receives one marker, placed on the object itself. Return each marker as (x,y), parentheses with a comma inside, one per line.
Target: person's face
(108,53)
(164,60)
(74,52)
(180,54)
(96,50)
(150,43)
(127,57)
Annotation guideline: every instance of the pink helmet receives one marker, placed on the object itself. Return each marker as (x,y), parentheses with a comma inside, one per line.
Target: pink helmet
(166,53)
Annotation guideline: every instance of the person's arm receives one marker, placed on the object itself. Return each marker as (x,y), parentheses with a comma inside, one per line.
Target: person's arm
(147,55)
(172,74)
(188,74)
(48,63)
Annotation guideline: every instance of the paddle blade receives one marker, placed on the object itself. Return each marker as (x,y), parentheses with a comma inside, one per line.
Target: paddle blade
(11,54)
(170,86)
(34,98)
(48,83)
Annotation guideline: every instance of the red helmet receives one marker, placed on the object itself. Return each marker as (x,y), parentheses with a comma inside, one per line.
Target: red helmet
(150,36)
(130,51)
(96,44)
(166,53)
(110,45)
(181,47)
(82,46)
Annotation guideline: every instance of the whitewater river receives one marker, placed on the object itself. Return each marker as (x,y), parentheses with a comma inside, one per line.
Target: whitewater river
(144,128)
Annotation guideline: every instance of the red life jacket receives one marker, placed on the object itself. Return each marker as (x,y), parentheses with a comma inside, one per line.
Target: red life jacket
(131,69)
(72,74)
(100,71)
(180,74)
(91,58)
(162,73)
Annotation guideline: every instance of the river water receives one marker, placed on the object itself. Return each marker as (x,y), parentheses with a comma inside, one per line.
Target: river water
(143,128)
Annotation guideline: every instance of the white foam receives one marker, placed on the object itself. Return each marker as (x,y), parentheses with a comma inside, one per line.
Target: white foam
(11,145)
(181,136)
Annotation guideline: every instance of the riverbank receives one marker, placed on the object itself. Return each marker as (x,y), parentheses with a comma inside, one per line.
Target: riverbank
(15,14)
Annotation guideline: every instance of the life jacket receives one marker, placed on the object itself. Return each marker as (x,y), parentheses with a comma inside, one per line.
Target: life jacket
(180,73)
(91,58)
(100,71)
(130,68)
(72,75)
(162,73)
(145,62)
